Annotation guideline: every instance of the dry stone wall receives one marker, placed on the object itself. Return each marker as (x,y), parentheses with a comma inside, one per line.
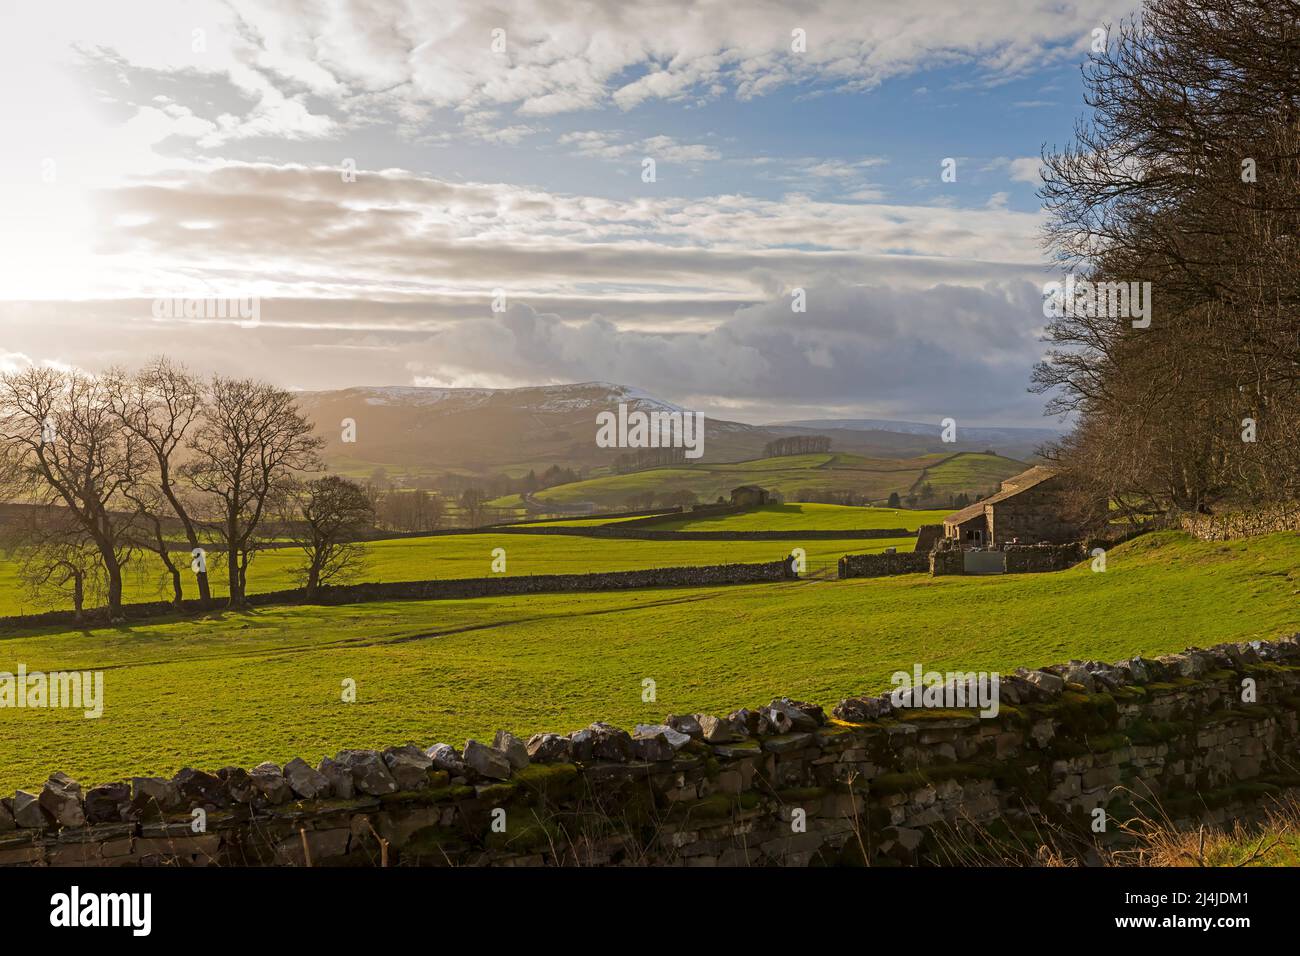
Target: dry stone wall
(459,588)
(782,784)
(1227,527)
(621,530)
(882,565)
(946,560)
(1035,558)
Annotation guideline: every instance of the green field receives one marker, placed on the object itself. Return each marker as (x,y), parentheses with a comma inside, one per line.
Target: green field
(470,556)
(876,478)
(242,688)
(573,522)
(967,471)
(809,517)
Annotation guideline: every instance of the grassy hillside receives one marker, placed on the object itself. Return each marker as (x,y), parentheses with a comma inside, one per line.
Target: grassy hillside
(241,688)
(792,475)
(968,472)
(470,556)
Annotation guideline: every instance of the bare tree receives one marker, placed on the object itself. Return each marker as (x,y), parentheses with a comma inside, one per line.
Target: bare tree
(60,443)
(162,404)
(1185,176)
(252,441)
(331,516)
(55,557)
(473,506)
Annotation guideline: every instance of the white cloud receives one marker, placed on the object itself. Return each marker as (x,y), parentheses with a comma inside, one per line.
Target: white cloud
(311,67)
(614,145)
(1025,169)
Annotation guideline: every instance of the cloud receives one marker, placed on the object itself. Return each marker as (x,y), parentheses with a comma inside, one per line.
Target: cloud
(905,351)
(946,350)
(1025,169)
(287,231)
(313,68)
(615,145)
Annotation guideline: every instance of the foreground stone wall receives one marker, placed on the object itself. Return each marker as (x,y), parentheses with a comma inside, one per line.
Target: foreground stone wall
(455,589)
(782,784)
(1227,527)
(881,565)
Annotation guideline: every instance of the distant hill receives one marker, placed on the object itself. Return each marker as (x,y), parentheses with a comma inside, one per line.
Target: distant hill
(971,473)
(477,431)
(1018,442)
(482,431)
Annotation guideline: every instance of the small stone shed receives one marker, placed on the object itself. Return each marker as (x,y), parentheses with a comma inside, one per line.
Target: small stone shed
(749,496)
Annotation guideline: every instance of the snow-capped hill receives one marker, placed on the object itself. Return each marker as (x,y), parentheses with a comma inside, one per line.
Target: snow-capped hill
(417,395)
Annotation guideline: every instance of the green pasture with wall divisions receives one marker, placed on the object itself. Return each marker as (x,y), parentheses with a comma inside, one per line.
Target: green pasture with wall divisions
(240,688)
(794,476)
(809,517)
(462,556)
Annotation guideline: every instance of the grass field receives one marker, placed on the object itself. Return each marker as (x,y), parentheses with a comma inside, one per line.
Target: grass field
(876,478)
(575,522)
(242,688)
(809,517)
(966,471)
(470,556)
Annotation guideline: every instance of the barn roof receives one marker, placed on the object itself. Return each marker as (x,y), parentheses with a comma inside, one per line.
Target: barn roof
(1010,488)
(1023,481)
(970,511)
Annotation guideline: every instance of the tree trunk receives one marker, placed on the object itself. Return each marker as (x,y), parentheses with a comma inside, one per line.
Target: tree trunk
(232,565)
(232,560)
(115,612)
(191,535)
(205,589)
(178,598)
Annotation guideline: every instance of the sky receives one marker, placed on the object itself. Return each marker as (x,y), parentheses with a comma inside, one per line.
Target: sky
(459,194)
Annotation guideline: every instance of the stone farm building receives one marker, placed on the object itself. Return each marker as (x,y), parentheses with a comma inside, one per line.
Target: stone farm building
(749,496)
(1027,508)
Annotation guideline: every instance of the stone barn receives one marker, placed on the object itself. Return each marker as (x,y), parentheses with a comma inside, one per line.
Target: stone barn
(749,496)
(1027,508)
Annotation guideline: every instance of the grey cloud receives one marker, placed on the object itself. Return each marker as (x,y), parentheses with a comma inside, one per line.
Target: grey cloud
(946,350)
(881,351)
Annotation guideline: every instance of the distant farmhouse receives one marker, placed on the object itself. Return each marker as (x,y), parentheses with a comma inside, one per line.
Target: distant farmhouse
(1028,509)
